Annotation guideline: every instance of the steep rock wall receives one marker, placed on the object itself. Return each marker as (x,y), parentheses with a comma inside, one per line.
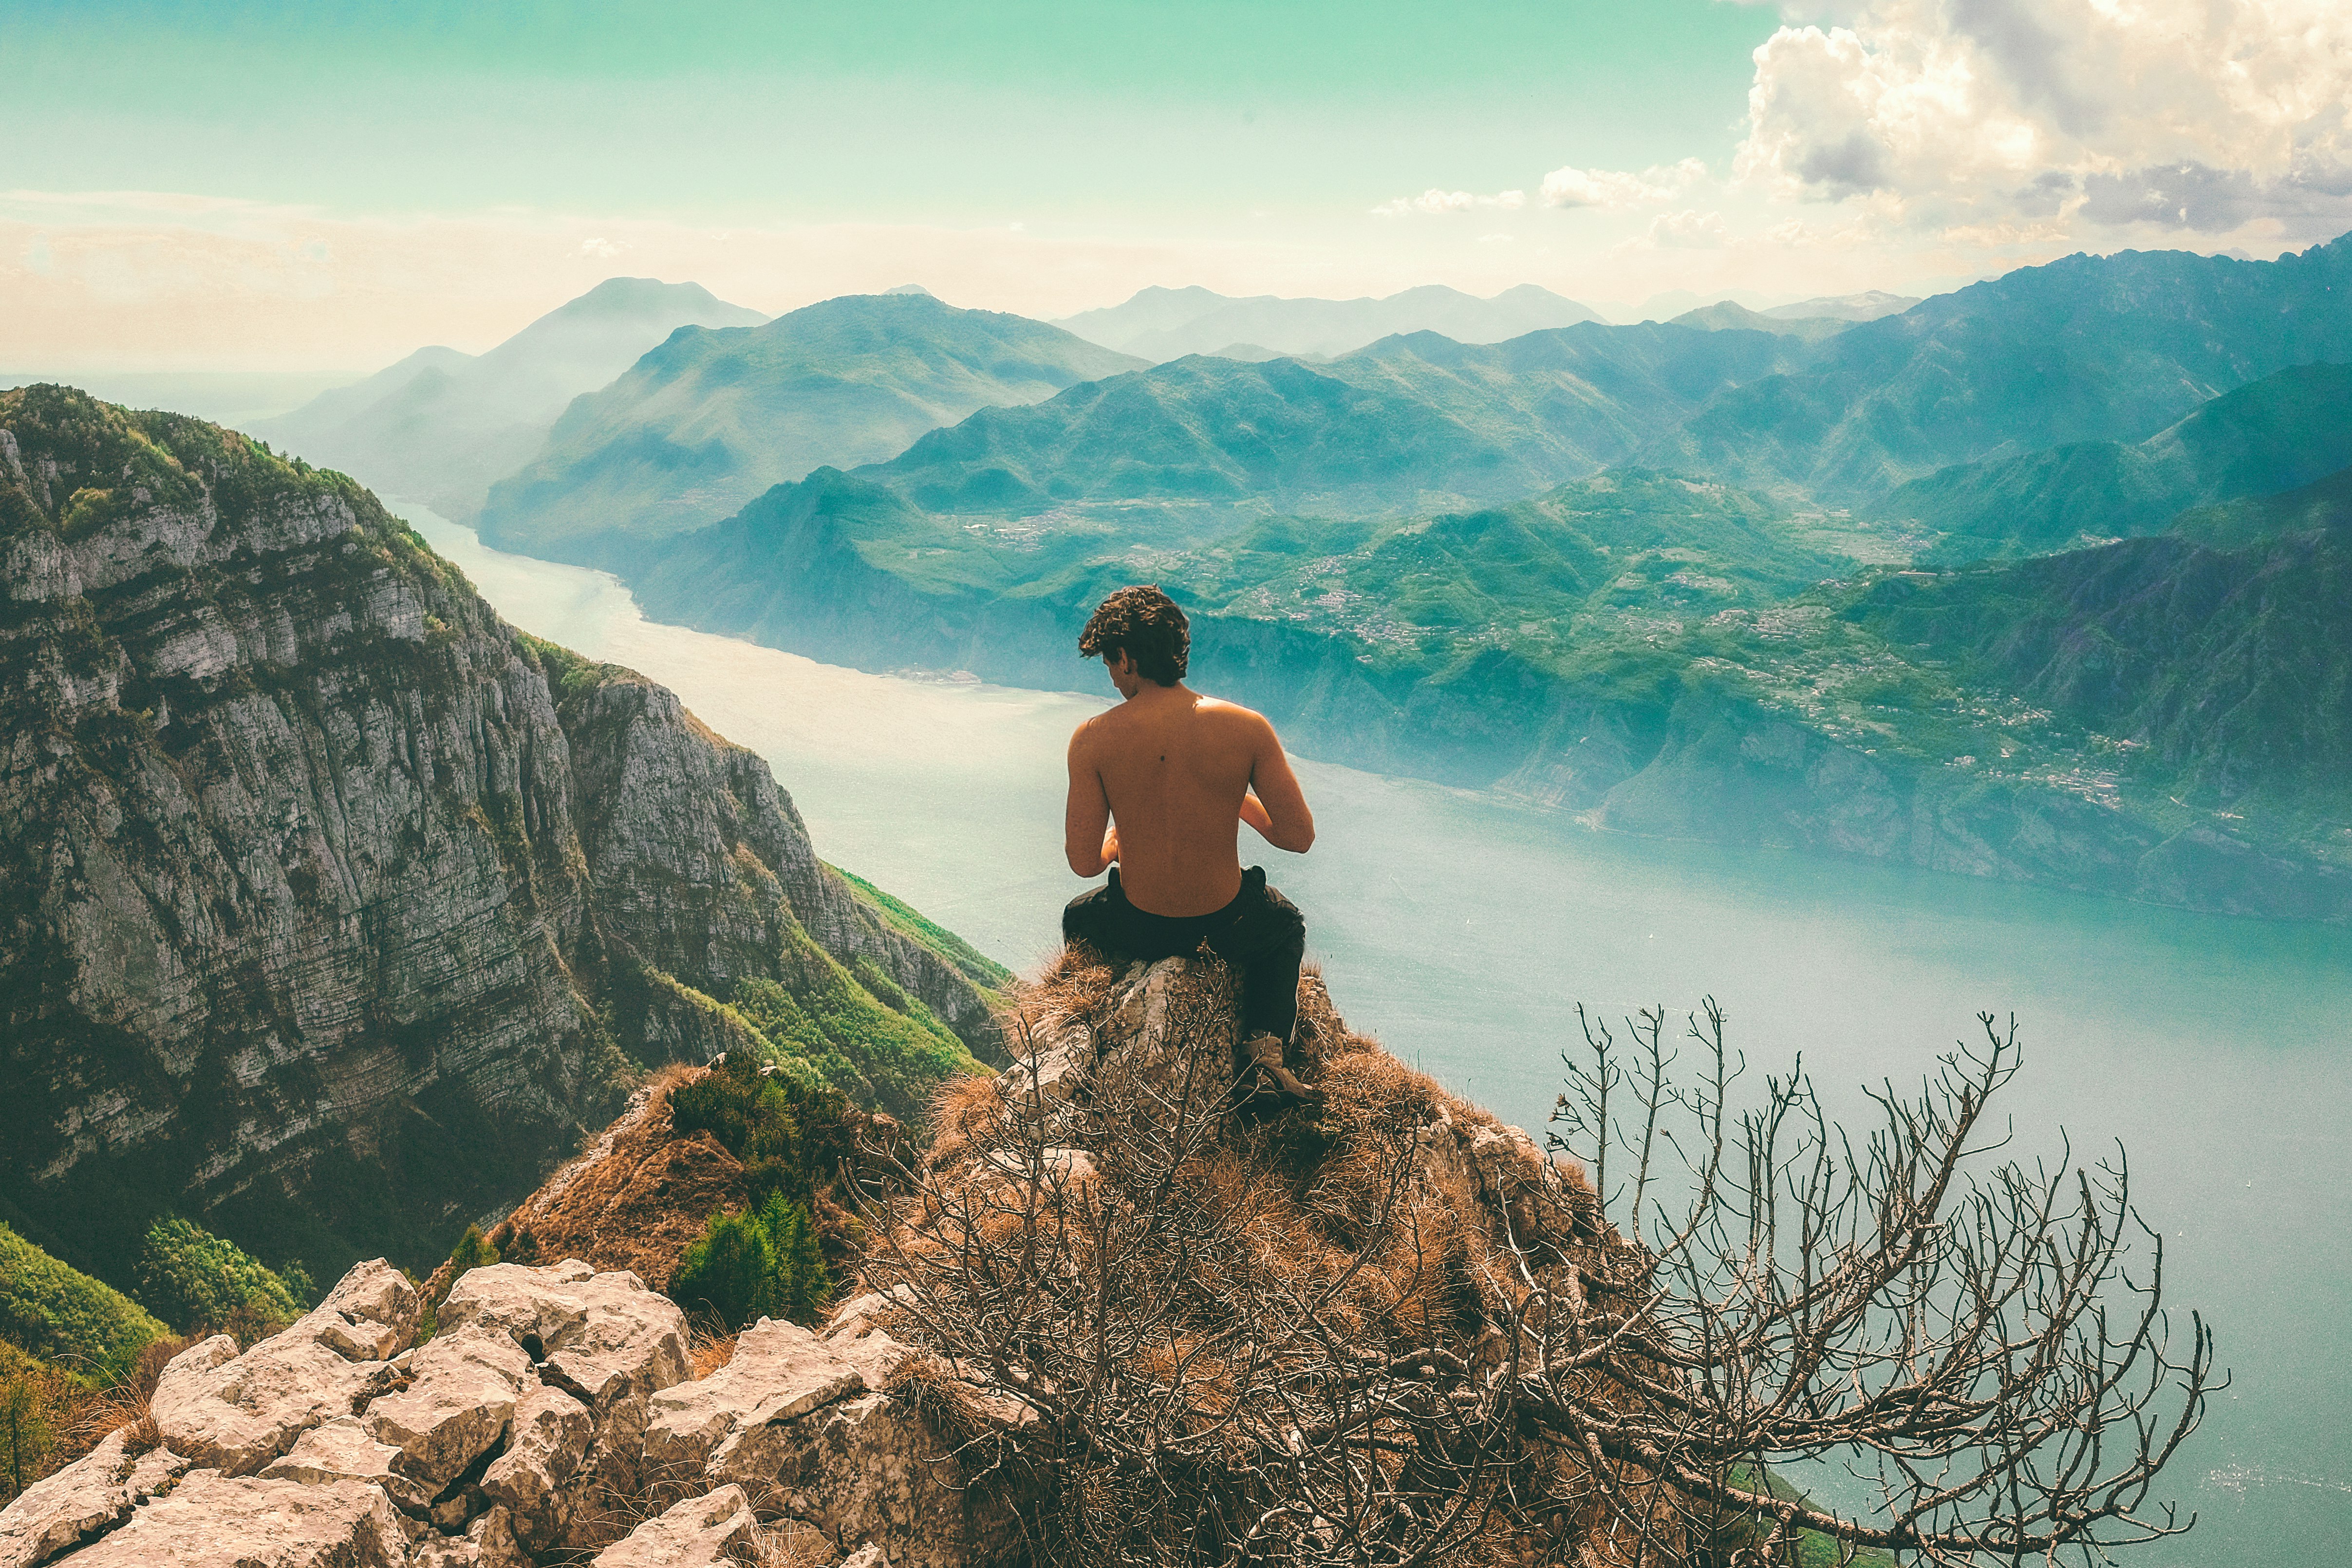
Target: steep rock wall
(320,914)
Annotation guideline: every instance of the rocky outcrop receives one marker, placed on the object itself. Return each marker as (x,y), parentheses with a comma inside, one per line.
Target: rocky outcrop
(237,1413)
(84,1500)
(331,908)
(551,1414)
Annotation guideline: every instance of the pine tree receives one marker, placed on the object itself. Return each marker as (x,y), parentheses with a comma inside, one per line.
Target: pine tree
(806,1284)
(730,1273)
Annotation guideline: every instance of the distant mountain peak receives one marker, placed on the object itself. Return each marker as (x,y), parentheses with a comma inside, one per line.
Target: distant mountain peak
(1162,323)
(635,296)
(911,288)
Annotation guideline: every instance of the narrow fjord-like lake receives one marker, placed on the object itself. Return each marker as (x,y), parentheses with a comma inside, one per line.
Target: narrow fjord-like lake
(1463,929)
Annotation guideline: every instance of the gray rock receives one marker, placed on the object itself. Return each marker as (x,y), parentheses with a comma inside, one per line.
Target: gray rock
(345,1450)
(779,1371)
(1050,1064)
(93,1493)
(214,1520)
(547,1441)
(489,1543)
(700,1532)
(464,1388)
(605,1338)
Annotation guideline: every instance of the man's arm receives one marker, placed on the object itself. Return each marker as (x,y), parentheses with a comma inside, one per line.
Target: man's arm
(1277,809)
(1087,841)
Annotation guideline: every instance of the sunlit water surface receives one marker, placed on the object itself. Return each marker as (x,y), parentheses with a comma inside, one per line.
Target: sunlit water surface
(1461,930)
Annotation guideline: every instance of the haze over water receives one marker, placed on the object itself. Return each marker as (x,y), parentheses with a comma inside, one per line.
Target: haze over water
(1463,929)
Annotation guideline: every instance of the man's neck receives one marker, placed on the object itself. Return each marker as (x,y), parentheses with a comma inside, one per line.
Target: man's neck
(1150,691)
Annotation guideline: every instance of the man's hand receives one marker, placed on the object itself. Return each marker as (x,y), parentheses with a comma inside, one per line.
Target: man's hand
(1110,846)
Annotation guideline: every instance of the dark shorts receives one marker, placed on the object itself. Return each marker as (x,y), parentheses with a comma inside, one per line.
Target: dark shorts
(1260,933)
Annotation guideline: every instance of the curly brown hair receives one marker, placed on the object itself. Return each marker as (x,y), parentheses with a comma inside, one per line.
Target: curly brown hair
(1145,625)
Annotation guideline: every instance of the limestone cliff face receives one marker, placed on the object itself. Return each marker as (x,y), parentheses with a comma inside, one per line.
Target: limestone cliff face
(323,912)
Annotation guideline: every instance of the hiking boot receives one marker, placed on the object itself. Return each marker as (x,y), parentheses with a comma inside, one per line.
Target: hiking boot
(1269,1081)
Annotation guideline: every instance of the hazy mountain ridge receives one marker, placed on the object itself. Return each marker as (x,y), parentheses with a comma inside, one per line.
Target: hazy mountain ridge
(2086,349)
(2276,433)
(709,419)
(1411,421)
(336,906)
(1163,324)
(441,425)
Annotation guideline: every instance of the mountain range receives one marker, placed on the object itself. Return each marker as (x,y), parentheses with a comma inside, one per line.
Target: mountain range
(1161,324)
(711,417)
(1344,535)
(2283,431)
(440,426)
(2109,348)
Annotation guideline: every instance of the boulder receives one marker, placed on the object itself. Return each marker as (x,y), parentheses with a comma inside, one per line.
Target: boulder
(547,1440)
(873,1468)
(237,1413)
(213,1521)
(94,1493)
(700,1532)
(1176,1024)
(780,1371)
(346,1450)
(603,1336)
(463,1390)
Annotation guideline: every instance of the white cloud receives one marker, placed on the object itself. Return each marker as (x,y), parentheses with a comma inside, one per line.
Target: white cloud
(1687,230)
(600,248)
(2206,115)
(1434,200)
(1574,187)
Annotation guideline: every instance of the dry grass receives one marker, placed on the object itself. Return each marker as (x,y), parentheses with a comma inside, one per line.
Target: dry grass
(789,1544)
(710,1346)
(1245,1267)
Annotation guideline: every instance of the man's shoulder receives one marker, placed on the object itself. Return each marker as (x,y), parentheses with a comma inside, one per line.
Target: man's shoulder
(1232,716)
(1225,709)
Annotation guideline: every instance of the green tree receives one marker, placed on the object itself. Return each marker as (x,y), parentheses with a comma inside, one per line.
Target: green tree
(730,1273)
(24,1427)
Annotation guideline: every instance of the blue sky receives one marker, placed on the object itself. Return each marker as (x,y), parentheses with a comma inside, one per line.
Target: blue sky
(328,185)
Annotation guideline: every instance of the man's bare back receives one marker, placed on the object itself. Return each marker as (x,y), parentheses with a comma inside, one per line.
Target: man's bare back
(1180,772)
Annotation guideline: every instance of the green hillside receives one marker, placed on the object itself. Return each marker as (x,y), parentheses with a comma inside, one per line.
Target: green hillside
(711,418)
(2275,434)
(2323,503)
(62,1315)
(2224,673)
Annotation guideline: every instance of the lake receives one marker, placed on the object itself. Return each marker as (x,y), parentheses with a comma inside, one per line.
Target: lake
(1462,929)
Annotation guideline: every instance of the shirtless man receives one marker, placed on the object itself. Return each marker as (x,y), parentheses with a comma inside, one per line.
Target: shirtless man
(1159,788)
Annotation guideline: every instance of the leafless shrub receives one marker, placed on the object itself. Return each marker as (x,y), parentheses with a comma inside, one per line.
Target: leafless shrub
(1964,1332)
